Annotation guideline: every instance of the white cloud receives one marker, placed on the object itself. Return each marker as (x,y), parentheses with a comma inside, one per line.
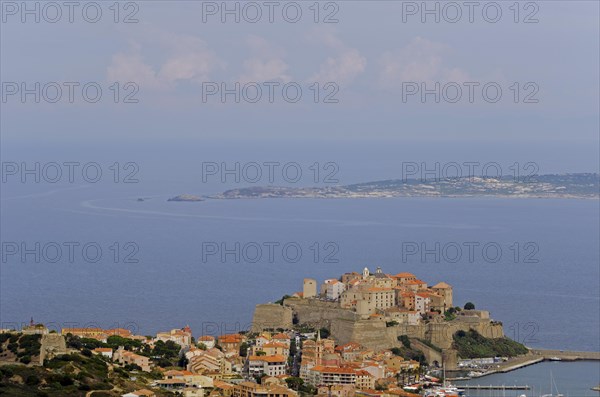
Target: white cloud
(131,67)
(266,64)
(344,66)
(421,60)
(187,59)
(190,59)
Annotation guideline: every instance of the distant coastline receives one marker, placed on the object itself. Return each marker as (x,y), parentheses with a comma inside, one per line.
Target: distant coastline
(569,186)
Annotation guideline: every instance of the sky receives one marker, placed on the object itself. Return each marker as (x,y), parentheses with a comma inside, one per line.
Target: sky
(384,74)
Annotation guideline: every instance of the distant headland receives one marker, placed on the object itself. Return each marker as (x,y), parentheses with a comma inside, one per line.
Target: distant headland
(572,186)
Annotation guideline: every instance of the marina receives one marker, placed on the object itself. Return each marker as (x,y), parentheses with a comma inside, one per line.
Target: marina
(536,356)
(570,378)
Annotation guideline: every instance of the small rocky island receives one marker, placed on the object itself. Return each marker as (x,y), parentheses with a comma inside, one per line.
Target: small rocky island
(186,197)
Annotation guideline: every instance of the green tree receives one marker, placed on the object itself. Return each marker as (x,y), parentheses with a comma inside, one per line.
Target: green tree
(243,349)
(280,301)
(469,306)
(405,341)
(396,350)
(115,341)
(294,383)
(183,361)
(32,380)
(471,344)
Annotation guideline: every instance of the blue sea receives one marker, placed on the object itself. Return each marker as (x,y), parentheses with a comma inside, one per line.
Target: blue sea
(572,379)
(533,263)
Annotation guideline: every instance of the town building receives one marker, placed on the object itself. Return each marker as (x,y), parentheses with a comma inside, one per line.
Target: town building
(274,365)
(126,357)
(251,389)
(208,341)
(104,351)
(183,336)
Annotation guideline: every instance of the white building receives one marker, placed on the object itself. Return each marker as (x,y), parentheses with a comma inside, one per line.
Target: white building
(333,288)
(268,365)
(422,302)
(321,375)
(207,340)
(104,351)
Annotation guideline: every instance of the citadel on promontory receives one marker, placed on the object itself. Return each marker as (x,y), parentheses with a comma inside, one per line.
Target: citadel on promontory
(375,309)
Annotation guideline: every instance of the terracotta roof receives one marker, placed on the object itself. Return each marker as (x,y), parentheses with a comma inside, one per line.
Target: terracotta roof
(350,346)
(333,370)
(222,385)
(441,285)
(404,275)
(118,331)
(230,338)
(270,359)
(82,330)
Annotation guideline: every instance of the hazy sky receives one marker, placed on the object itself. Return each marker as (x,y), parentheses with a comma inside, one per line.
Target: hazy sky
(368,61)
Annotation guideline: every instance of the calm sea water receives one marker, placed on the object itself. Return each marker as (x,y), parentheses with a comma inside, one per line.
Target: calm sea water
(550,300)
(573,379)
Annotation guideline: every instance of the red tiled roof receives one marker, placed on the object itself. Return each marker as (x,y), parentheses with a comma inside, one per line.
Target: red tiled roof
(276,358)
(333,370)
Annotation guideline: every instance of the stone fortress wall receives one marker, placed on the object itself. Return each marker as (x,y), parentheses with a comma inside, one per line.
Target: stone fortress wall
(346,326)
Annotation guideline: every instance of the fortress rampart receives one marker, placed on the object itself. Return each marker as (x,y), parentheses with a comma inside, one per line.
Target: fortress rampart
(346,326)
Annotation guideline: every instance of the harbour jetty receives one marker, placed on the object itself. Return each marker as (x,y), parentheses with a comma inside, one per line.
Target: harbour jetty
(565,355)
(538,355)
(495,387)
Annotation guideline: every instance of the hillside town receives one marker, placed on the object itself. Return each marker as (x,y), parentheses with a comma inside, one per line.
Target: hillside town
(279,362)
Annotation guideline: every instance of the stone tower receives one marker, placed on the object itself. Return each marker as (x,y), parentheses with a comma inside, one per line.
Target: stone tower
(309,289)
